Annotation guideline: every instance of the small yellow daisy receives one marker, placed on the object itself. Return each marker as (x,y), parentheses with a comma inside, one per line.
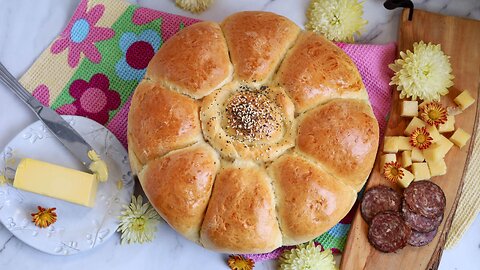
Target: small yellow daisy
(237,262)
(434,114)
(392,172)
(420,138)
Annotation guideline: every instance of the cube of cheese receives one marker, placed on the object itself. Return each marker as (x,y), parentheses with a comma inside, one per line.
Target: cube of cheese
(406,158)
(464,100)
(423,104)
(390,144)
(409,108)
(414,124)
(385,159)
(437,150)
(406,179)
(417,155)
(447,126)
(433,131)
(437,167)
(403,143)
(420,171)
(460,137)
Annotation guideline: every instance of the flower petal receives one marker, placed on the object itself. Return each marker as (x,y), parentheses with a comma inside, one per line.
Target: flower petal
(68,109)
(100,81)
(42,94)
(151,37)
(100,34)
(60,45)
(92,53)
(73,55)
(77,88)
(94,14)
(126,40)
(113,99)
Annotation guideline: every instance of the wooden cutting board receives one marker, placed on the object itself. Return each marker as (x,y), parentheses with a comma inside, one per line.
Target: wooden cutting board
(460,39)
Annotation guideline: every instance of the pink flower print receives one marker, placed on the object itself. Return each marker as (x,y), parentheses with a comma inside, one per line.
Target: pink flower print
(142,16)
(42,94)
(81,34)
(93,99)
(138,51)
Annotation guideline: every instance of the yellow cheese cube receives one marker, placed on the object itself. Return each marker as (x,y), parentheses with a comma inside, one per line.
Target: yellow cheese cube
(423,104)
(385,159)
(406,179)
(447,126)
(417,155)
(414,124)
(406,158)
(460,137)
(437,167)
(420,171)
(464,100)
(56,181)
(409,108)
(390,144)
(403,143)
(437,150)
(433,131)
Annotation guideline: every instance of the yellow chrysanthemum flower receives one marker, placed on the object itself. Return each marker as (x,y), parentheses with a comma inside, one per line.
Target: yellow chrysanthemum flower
(307,256)
(194,6)
(338,20)
(424,73)
(138,222)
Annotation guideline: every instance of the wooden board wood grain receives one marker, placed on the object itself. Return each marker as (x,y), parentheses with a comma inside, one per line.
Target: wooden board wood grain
(460,39)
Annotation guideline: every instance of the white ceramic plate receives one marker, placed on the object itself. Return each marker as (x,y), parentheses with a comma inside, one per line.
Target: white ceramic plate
(78,228)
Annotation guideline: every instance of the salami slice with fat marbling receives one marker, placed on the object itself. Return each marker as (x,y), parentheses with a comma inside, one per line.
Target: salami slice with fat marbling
(418,239)
(425,198)
(388,232)
(418,222)
(379,199)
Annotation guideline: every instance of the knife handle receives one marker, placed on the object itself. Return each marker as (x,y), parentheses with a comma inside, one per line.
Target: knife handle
(7,78)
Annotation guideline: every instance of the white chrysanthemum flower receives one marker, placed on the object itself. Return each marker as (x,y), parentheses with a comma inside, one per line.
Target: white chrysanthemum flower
(138,222)
(307,256)
(338,20)
(194,6)
(425,74)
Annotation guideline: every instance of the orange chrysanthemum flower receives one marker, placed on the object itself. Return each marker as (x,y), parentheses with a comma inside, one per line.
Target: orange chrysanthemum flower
(434,114)
(237,262)
(44,217)
(420,138)
(392,171)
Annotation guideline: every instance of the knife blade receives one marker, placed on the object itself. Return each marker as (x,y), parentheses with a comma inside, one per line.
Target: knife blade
(60,128)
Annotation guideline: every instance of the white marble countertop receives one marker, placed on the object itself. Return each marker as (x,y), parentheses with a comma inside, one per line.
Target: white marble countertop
(26,29)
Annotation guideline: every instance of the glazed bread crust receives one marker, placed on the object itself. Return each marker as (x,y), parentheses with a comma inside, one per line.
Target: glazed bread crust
(251,134)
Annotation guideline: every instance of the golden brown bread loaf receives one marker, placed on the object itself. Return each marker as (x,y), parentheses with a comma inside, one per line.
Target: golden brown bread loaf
(251,134)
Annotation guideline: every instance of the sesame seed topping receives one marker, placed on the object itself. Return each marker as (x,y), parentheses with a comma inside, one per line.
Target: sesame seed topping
(251,115)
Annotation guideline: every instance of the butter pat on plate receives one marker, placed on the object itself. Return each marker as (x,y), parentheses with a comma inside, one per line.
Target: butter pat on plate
(56,181)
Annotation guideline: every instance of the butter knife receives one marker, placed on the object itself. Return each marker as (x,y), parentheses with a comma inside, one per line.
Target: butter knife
(69,137)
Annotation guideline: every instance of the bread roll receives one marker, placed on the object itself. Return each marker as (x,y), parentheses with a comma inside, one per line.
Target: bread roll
(251,134)
(241,214)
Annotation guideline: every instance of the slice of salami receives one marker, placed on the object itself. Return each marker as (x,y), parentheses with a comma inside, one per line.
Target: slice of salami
(388,232)
(379,199)
(418,222)
(425,198)
(418,239)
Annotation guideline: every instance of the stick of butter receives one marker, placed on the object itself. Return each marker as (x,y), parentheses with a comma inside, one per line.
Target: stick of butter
(56,181)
